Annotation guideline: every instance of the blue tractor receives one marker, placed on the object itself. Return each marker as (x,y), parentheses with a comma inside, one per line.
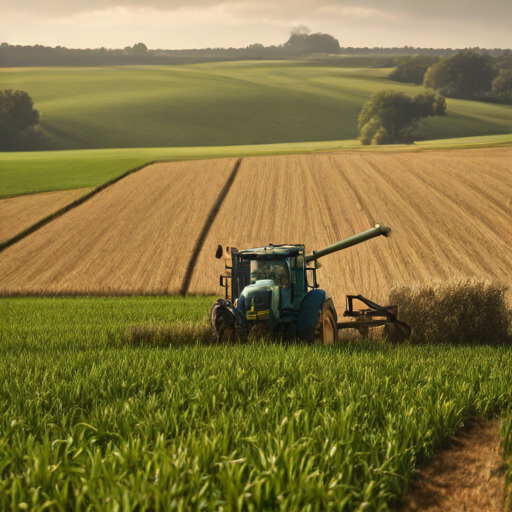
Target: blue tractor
(273,291)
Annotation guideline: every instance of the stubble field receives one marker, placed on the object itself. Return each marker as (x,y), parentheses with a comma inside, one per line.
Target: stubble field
(135,237)
(450,212)
(19,213)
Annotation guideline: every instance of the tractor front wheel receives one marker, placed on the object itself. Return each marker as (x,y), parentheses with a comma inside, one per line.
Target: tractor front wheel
(228,323)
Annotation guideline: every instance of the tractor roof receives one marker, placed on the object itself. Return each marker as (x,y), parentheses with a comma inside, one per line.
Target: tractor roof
(272,252)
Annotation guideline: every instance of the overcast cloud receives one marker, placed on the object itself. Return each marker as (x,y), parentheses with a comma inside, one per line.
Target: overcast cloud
(216,23)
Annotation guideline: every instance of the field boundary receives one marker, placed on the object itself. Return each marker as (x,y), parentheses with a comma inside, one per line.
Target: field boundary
(206,228)
(107,160)
(49,218)
(470,464)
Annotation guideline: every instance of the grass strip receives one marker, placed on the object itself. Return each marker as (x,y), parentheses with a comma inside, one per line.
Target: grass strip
(43,171)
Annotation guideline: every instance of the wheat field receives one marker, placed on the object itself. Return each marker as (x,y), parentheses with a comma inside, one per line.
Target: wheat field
(134,237)
(450,212)
(19,213)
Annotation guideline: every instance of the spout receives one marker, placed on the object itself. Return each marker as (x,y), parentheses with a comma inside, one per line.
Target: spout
(379,229)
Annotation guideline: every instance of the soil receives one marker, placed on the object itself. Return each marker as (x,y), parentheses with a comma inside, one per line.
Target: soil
(469,476)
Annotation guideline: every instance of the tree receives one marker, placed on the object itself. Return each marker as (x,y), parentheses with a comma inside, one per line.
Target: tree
(392,117)
(18,119)
(412,71)
(301,43)
(464,75)
(502,84)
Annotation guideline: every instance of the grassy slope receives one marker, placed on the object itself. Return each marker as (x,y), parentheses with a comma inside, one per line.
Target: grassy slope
(248,427)
(219,104)
(40,171)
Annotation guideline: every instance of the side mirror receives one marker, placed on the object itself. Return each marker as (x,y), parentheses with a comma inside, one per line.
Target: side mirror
(219,252)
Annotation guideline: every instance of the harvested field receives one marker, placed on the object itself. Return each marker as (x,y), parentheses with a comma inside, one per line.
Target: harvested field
(19,213)
(134,237)
(450,211)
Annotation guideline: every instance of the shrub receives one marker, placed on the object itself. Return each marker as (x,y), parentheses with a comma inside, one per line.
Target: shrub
(459,311)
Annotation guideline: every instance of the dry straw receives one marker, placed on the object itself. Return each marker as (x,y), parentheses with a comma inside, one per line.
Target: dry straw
(20,213)
(179,334)
(458,311)
(166,335)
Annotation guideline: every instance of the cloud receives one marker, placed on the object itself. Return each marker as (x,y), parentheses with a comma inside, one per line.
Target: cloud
(214,23)
(492,11)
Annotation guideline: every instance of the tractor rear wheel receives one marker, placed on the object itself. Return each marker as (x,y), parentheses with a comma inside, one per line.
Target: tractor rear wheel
(327,330)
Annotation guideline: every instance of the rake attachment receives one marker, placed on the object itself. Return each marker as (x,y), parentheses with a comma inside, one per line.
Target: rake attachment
(375,316)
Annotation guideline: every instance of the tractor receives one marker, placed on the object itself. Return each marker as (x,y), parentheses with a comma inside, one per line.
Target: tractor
(273,290)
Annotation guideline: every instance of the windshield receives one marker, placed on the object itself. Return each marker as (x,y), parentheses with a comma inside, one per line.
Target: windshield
(276,270)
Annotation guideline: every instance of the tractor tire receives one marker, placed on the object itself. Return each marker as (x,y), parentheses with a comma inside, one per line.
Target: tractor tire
(228,323)
(327,329)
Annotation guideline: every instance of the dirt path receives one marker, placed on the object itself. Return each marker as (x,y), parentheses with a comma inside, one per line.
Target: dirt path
(468,476)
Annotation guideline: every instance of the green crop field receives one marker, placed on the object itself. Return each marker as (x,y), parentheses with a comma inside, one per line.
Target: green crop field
(88,422)
(42,171)
(223,104)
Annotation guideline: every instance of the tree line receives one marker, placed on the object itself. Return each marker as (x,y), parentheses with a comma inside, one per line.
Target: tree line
(466,74)
(298,45)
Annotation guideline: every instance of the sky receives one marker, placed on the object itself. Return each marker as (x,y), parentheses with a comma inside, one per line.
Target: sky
(177,24)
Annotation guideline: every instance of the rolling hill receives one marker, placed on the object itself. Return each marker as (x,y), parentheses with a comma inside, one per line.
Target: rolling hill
(219,104)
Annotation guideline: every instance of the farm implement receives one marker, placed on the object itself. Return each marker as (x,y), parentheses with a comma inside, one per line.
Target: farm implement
(274,290)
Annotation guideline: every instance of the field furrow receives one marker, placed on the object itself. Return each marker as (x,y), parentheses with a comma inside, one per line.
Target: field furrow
(134,237)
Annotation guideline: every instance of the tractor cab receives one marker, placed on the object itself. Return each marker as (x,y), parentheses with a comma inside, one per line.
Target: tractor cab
(267,284)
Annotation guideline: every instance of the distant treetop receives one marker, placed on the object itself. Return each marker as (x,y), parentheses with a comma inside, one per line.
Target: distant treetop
(307,44)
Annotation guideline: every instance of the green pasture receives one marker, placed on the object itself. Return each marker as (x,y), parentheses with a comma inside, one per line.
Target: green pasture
(41,171)
(88,423)
(223,104)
